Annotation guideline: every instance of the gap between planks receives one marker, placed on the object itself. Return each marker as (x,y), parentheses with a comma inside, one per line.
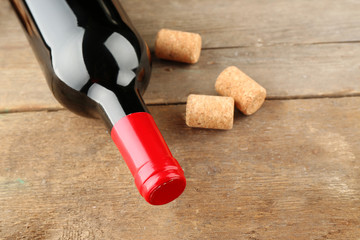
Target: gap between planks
(263,44)
(309,97)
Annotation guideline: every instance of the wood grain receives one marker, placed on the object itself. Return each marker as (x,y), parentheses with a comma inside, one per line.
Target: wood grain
(286,61)
(291,171)
(23,86)
(285,71)
(231,23)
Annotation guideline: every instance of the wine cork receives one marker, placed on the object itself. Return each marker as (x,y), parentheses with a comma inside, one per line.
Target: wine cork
(248,94)
(178,46)
(216,112)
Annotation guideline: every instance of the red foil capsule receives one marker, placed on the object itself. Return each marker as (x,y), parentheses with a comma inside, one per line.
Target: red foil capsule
(158,176)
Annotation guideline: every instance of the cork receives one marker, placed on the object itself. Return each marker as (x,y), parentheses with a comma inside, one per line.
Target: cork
(178,46)
(216,112)
(249,96)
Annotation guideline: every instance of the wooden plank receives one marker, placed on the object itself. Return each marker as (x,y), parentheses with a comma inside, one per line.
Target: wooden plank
(231,23)
(285,71)
(291,171)
(300,71)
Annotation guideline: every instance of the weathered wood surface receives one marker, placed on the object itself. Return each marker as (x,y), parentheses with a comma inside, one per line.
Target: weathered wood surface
(231,23)
(295,49)
(285,71)
(291,171)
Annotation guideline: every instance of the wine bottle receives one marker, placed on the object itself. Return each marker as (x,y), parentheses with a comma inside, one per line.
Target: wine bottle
(97,65)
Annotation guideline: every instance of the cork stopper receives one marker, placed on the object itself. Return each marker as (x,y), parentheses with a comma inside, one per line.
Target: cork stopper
(248,94)
(216,112)
(178,46)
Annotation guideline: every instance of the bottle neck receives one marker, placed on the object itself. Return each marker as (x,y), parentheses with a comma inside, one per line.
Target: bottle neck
(114,105)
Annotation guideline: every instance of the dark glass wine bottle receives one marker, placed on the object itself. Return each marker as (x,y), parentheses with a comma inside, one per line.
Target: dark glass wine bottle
(97,65)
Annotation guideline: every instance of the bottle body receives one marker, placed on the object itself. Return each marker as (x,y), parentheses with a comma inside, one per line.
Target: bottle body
(97,65)
(87,48)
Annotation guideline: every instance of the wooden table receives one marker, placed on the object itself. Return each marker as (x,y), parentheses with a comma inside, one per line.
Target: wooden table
(291,171)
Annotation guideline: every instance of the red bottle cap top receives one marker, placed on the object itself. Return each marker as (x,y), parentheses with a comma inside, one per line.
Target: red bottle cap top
(158,175)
